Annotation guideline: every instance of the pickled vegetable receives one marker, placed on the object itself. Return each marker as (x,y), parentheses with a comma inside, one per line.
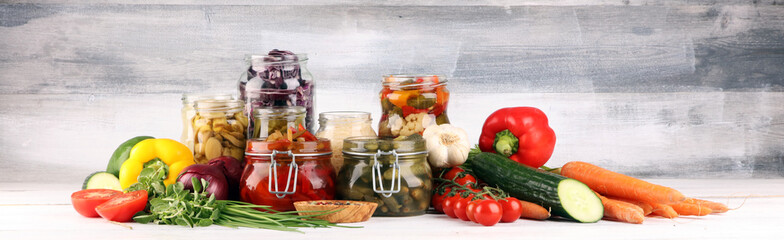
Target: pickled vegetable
(355,179)
(409,104)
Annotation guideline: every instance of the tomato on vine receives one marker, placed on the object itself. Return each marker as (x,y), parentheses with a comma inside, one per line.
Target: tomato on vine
(453,172)
(438,199)
(449,205)
(461,206)
(513,209)
(466,180)
(488,212)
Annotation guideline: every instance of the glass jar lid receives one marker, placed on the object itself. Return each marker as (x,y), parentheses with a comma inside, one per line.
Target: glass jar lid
(413,144)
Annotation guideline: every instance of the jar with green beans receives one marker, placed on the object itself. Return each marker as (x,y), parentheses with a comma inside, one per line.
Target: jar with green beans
(391,172)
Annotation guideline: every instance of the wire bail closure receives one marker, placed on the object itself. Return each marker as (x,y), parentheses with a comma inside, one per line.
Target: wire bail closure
(273,175)
(376,172)
(291,181)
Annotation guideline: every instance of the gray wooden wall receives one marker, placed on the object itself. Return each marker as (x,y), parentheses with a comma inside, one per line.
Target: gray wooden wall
(687,89)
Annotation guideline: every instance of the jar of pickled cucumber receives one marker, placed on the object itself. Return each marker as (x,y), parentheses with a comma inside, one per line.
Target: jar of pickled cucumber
(411,103)
(189,110)
(393,173)
(218,129)
(270,119)
(279,173)
(337,126)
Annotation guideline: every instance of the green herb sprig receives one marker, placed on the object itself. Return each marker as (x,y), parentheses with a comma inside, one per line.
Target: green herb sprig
(173,205)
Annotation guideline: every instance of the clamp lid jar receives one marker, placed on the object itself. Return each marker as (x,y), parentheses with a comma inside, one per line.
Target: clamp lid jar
(393,173)
(279,173)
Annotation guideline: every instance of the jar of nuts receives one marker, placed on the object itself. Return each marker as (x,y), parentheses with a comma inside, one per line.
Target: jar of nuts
(219,129)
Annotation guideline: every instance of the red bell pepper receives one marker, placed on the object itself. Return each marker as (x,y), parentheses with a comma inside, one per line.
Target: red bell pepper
(520,133)
(300,131)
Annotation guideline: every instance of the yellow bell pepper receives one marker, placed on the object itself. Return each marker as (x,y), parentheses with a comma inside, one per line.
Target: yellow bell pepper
(174,154)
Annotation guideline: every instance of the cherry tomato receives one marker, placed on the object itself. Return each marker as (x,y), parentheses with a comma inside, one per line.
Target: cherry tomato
(449,205)
(512,209)
(467,180)
(122,207)
(452,173)
(471,208)
(461,206)
(438,199)
(488,212)
(85,201)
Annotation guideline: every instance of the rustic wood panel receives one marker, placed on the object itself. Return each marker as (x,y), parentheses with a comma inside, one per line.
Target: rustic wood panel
(649,88)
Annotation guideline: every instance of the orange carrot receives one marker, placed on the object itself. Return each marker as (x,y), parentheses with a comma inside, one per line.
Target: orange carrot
(714,206)
(684,208)
(647,209)
(622,211)
(534,211)
(663,210)
(612,184)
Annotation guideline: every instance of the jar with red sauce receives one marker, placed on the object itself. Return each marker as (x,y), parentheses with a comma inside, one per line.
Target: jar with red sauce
(279,173)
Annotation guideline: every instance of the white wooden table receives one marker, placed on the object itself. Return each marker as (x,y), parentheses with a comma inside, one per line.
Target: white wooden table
(43,211)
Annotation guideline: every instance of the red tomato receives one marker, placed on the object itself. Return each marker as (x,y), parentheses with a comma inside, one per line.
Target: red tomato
(438,200)
(467,180)
(461,206)
(488,212)
(453,172)
(512,209)
(470,210)
(122,207)
(85,201)
(449,205)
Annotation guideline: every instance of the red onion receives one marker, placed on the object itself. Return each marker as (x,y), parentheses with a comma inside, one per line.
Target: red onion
(218,185)
(232,169)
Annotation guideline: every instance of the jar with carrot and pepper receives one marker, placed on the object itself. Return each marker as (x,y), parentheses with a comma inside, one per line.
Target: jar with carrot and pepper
(411,103)
(279,172)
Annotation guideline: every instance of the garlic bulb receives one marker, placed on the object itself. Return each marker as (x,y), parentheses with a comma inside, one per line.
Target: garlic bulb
(447,145)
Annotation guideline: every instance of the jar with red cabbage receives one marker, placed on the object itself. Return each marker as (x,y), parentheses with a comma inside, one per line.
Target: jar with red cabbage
(280,78)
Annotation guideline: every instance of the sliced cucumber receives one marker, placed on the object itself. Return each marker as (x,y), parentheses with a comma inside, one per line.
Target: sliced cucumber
(566,197)
(579,201)
(102,180)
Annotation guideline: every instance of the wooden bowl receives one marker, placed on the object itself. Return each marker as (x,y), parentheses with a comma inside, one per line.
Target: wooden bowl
(352,211)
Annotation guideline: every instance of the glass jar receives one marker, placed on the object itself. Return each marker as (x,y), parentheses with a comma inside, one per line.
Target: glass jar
(189,110)
(411,103)
(218,130)
(300,171)
(280,78)
(337,126)
(393,173)
(272,119)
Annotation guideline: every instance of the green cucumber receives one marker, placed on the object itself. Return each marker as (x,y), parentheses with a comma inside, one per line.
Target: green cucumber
(121,154)
(565,197)
(102,180)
